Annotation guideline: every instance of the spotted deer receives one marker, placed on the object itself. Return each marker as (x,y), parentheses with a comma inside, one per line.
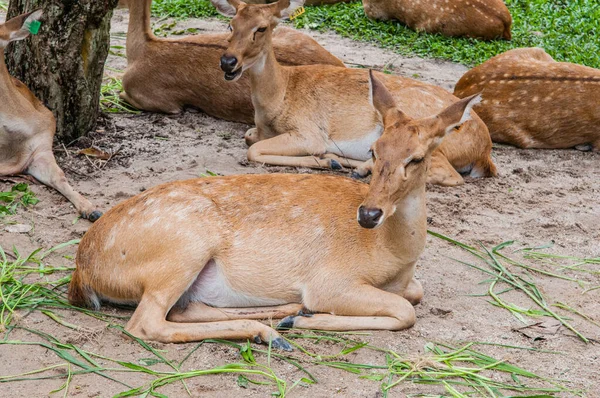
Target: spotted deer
(532,101)
(27,127)
(207,258)
(164,75)
(482,19)
(307,2)
(319,116)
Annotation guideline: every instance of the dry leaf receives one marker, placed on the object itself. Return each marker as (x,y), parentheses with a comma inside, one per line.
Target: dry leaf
(94,153)
(18,228)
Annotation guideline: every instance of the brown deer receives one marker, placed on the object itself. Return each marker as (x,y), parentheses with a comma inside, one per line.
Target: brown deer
(27,127)
(164,75)
(205,258)
(320,116)
(482,19)
(532,101)
(307,2)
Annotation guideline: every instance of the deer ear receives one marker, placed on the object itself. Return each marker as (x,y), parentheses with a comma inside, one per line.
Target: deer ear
(227,8)
(380,97)
(20,27)
(285,8)
(458,113)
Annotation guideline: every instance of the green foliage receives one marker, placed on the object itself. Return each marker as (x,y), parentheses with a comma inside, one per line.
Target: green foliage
(19,195)
(569,30)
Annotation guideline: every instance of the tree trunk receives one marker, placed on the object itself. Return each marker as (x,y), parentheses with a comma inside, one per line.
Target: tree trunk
(63,65)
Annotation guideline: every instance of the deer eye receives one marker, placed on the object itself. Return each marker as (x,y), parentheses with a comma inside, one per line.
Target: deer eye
(416,161)
(261,30)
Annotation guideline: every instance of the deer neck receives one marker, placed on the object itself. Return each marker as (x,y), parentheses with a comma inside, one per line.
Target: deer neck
(7,86)
(405,231)
(268,81)
(138,31)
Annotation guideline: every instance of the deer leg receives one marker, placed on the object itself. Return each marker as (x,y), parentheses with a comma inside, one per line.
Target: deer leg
(44,169)
(361,307)
(346,162)
(413,292)
(442,172)
(291,150)
(363,170)
(148,323)
(200,312)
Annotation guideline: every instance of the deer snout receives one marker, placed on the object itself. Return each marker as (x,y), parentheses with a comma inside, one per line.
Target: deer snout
(369,218)
(228,63)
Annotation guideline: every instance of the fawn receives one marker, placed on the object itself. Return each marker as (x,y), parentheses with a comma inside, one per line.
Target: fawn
(320,116)
(482,19)
(532,101)
(205,258)
(164,75)
(27,127)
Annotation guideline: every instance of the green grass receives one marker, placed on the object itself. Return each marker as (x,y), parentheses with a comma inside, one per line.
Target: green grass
(29,283)
(3,5)
(569,30)
(20,195)
(518,276)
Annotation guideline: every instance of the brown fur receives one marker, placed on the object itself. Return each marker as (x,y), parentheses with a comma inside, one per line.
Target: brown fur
(307,2)
(164,75)
(317,115)
(532,101)
(189,252)
(27,127)
(483,19)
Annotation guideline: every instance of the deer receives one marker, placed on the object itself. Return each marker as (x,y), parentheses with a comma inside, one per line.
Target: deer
(164,75)
(210,257)
(307,2)
(532,101)
(319,116)
(27,127)
(481,19)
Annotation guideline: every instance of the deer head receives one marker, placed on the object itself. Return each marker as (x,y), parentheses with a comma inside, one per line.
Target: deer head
(402,155)
(251,31)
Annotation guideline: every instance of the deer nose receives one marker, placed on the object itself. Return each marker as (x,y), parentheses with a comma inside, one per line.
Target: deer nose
(369,218)
(228,63)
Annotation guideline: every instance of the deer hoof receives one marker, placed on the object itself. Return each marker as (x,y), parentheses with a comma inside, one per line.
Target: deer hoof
(584,147)
(94,216)
(280,344)
(355,175)
(286,323)
(335,165)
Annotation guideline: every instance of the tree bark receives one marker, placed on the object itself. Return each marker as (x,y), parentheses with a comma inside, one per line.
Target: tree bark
(64,64)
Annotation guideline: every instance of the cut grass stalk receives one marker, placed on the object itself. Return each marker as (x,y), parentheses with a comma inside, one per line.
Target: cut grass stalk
(499,271)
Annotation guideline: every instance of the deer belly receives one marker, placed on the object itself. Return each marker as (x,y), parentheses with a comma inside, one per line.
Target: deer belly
(358,149)
(212,288)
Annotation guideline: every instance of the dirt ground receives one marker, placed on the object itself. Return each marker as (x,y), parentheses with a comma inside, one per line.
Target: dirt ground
(539,197)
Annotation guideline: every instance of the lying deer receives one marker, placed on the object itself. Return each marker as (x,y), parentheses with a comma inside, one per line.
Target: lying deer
(532,101)
(27,127)
(307,2)
(164,75)
(205,258)
(483,19)
(320,116)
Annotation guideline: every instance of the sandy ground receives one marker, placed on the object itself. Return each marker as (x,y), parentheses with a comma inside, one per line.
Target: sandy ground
(539,197)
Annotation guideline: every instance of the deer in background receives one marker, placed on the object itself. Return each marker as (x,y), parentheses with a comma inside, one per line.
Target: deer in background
(27,127)
(307,2)
(532,101)
(206,258)
(164,75)
(482,19)
(320,116)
